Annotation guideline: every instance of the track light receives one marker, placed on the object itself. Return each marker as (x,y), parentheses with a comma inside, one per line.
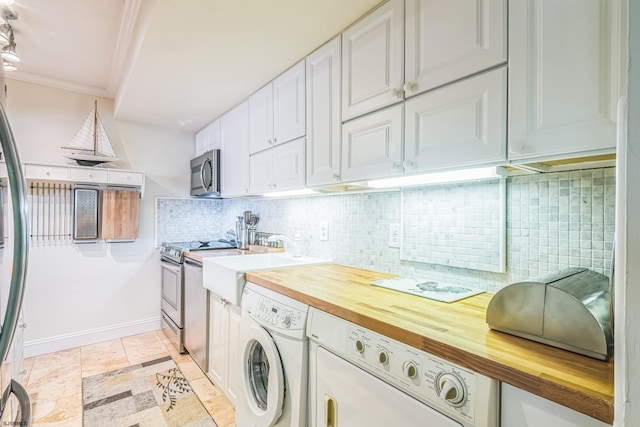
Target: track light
(9,53)
(6,33)
(8,66)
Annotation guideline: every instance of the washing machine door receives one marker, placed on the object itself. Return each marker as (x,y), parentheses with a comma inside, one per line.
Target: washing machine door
(262,377)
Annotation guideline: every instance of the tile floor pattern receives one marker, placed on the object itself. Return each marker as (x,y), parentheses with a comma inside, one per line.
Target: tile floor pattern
(54,381)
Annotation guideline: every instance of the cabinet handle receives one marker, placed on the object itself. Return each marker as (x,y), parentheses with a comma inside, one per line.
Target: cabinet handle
(410,87)
(397,93)
(270,141)
(336,177)
(408,164)
(275,140)
(394,166)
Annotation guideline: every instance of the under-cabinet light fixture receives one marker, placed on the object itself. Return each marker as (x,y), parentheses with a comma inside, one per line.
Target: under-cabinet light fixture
(437,178)
(300,192)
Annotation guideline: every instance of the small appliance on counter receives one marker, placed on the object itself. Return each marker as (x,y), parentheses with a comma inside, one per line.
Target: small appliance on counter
(570,309)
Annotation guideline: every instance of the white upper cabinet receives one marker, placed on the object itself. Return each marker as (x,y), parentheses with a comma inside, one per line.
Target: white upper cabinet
(460,124)
(278,169)
(323,114)
(209,138)
(372,145)
(277,111)
(447,40)
(261,119)
(565,77)
(372,61)
(289,104)
(235,152)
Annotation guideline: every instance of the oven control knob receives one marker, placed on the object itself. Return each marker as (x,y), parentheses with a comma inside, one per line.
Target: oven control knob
(286,320)
(383,356)
(410,369)
(450,389)
(359,346)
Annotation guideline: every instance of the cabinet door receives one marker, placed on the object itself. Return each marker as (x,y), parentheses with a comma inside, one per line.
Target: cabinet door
(461,124)
(446,41)
(235,152)
(564,78)
(288,165)
(261,119)
(119,214)
(372,145)
(202,141)
(289,104)
(372,61)
(521,408)
(218,339)
(215,136)
(323,114)
(233,388)
(260,172)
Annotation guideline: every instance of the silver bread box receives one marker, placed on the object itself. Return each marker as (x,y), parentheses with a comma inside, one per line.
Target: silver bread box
(570,309)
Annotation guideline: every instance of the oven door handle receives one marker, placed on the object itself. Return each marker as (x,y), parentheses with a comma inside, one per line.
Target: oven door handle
(176,268)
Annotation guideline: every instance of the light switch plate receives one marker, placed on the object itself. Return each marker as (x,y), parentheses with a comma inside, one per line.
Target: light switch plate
(394,235)
(324,230)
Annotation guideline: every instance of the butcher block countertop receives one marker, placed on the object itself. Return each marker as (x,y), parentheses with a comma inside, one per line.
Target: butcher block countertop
(454,331)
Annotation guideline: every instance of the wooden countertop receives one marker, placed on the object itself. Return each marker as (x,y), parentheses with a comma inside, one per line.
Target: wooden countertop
(454,331)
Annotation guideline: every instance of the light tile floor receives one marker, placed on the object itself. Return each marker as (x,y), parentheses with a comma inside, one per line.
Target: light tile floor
(54,381)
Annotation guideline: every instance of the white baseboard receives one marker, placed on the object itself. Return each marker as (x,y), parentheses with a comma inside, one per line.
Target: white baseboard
(92,336)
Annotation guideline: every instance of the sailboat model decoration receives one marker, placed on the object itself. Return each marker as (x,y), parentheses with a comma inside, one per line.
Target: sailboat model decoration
(90,146)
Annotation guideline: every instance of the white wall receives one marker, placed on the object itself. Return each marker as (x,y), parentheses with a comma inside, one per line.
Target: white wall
(78,294)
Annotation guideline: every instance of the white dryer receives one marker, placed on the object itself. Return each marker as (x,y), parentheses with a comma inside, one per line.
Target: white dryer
(274,360)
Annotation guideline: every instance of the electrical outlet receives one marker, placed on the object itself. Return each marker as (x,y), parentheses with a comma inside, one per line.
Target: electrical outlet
(394,235)
(324,230)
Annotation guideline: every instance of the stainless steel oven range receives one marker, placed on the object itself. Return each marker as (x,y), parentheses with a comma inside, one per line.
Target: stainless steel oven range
(172,306)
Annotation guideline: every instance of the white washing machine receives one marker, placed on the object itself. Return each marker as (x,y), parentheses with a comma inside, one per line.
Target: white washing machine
(274,360)
(360,378)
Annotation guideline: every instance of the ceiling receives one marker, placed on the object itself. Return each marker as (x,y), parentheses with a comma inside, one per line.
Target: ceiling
(178,64)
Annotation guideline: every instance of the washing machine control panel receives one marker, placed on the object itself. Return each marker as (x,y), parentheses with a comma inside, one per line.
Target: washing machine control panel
(278,315)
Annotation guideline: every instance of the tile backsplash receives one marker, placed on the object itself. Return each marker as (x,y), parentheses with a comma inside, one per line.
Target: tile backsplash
(553,221)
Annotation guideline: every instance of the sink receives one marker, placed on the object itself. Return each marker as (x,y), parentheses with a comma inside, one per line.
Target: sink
(225,276)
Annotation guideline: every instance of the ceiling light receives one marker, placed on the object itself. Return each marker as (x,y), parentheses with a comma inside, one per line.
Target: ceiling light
(6,33)
(300,192)
(6,2)
(9,53)
(8,66)
(437,178)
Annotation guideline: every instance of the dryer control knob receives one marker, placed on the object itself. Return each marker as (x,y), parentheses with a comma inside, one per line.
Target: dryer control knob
(286,320)
(410,369)
(383,356)
(359,346)
(450,389)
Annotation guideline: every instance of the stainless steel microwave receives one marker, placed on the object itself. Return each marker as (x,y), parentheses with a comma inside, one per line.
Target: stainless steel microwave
(205,174)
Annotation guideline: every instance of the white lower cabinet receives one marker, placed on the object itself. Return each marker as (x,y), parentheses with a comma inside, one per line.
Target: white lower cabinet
(520,408)
(278,169)
(372,145)
(460,124)
(224,328)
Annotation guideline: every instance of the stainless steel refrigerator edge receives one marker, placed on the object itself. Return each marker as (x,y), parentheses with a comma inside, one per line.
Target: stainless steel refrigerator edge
(13,274)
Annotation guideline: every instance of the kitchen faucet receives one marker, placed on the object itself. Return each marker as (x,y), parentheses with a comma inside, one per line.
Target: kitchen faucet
(295,243)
